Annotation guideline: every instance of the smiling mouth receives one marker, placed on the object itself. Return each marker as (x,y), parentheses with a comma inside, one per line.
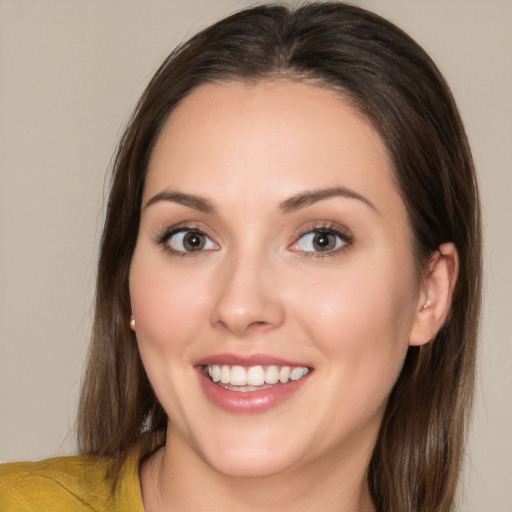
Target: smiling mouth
(253,378)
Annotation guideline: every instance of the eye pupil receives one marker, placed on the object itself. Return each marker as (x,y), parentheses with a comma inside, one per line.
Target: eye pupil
(193,241)
(324,241)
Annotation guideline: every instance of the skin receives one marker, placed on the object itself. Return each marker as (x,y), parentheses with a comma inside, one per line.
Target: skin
(259,287)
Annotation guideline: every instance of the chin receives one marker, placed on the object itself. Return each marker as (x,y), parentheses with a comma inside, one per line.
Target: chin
(249,456)
(251,465)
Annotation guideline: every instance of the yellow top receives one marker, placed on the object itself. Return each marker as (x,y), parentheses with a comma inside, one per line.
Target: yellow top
(69,484)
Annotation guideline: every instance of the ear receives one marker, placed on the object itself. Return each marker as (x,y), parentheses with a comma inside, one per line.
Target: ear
(435,297)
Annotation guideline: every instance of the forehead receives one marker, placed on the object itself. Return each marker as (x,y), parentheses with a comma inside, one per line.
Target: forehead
(268,140)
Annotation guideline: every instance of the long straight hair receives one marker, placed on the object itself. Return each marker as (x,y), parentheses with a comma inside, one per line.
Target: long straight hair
(390,79)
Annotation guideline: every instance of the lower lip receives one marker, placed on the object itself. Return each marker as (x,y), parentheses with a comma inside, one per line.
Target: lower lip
(249,402)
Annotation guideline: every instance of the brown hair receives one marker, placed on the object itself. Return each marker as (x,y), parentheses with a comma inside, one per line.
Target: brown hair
(387,76)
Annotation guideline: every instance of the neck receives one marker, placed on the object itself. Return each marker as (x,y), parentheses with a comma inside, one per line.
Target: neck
(175,479)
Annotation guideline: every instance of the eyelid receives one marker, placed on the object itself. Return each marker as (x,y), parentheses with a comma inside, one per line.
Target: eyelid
(161,238)
(327,227)
(334,228)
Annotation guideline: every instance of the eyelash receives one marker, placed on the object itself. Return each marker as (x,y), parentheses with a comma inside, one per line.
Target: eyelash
(328,228)
(163,239)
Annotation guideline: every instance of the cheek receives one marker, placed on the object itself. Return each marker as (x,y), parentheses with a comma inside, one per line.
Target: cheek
(166,303)
(362,317)
(168,309)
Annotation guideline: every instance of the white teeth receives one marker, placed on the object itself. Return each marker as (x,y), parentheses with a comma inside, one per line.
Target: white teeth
(252,377)
(272,375)
(225,374)
(214,372)
(238,376)
(284,374)
(296,374)
(255,376)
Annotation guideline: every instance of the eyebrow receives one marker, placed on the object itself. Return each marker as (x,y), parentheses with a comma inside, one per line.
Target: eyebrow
(308,198)
(296,202)
(190,200)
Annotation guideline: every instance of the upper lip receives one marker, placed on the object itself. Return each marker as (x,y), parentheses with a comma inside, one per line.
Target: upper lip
(246,360)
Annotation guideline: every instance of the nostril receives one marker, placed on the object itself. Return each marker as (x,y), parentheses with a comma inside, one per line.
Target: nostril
(246,310)
(243,328)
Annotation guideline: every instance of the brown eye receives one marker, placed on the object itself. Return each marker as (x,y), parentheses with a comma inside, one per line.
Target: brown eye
(193,241)
(323,240)
(190,241)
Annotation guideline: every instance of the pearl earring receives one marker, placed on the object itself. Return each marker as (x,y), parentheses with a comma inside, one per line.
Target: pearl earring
(132,322)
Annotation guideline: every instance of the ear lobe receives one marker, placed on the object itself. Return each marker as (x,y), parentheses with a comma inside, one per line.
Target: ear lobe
(435,297)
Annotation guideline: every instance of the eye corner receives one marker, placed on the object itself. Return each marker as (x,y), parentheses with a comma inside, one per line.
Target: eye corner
(186,240)
(321,240)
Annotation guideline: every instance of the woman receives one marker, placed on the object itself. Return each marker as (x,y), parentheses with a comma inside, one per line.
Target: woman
(289,280)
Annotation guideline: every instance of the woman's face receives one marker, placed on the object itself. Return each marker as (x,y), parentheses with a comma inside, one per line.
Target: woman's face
(274,253)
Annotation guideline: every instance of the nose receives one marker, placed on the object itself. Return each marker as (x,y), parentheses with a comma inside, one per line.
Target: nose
(248,298)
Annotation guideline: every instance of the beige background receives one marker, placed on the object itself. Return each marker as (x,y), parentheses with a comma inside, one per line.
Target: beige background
(70,72)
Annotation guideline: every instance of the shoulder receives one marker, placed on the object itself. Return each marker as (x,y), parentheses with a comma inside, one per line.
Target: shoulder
(60,483)
(75,483)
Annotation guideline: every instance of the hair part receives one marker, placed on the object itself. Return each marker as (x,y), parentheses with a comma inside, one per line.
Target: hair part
(390,79)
